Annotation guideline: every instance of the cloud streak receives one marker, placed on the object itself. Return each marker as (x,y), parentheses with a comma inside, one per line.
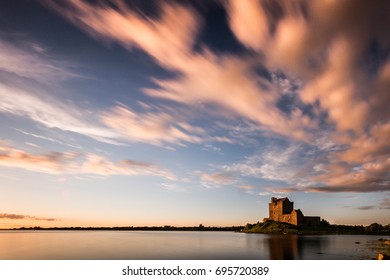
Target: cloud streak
(77,164)
(167,38)
(274,164)
(17,60)
(385,203)
(25,217)
(152,128)
(368,207)
(51,113)
(23,92)
(321,47)
(327,46)
(225,81)
(28,98)
(216,179)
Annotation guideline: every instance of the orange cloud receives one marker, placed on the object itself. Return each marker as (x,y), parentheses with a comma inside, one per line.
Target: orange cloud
(381,98)
(49,163)
(76,164)
(248,21)
(166,39)
(337,91)
(368,146)
(372,176)
(229,82)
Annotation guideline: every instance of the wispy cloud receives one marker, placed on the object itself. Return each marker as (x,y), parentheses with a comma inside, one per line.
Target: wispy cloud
(153,128)
(52,113)
(368,177)
(18,60)
(255,190)
(216,179)
(27,72)
(25,217)
(315,57)
(385,203)
(232,86)
(50,139)
(354,188)
(48,163)
(26,98)
(248,22)
(334,77)
(77,164)
(274,163)
(167,39)
(231,81)
(246,187)
(368,207)
(174,187)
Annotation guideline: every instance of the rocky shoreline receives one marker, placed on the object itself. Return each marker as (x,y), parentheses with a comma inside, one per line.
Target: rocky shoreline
(384,248)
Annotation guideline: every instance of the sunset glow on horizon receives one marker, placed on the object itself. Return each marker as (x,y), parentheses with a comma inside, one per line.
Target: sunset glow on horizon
(153,113)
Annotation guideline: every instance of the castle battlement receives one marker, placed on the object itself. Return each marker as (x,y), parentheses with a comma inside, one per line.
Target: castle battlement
(282,210)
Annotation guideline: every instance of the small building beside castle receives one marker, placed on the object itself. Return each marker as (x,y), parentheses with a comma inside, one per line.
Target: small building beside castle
(282,210)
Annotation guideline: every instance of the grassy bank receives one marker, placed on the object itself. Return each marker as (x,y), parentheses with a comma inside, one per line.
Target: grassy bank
(323,228)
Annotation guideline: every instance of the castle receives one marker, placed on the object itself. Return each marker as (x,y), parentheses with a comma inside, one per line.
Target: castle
(282,210)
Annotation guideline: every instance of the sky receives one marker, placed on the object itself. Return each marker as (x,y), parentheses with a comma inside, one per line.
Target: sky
(137,113)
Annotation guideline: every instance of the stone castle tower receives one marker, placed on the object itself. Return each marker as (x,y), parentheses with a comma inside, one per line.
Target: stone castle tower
(282,210)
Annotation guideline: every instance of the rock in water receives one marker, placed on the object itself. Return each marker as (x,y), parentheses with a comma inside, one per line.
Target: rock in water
(383,257)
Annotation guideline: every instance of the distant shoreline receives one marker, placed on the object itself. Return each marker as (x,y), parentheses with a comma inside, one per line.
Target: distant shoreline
(238,229)
(269,227)
(131,228)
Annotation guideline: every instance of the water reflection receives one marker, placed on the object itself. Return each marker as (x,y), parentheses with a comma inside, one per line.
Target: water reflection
(293,247)
(284,247)
(77,245)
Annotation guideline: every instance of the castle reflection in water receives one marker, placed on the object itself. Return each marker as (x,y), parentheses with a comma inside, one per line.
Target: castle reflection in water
(293,247)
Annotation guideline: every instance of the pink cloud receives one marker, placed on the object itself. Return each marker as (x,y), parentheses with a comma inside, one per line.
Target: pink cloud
(48,163)
(374,144)
(337,90)
(217,179)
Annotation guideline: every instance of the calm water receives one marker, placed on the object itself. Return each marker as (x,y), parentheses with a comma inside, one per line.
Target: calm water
(120,245)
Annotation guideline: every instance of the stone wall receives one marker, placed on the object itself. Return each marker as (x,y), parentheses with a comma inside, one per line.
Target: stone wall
(311,221)
(296,218)
(280,207)
(282,210)
(288,218)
